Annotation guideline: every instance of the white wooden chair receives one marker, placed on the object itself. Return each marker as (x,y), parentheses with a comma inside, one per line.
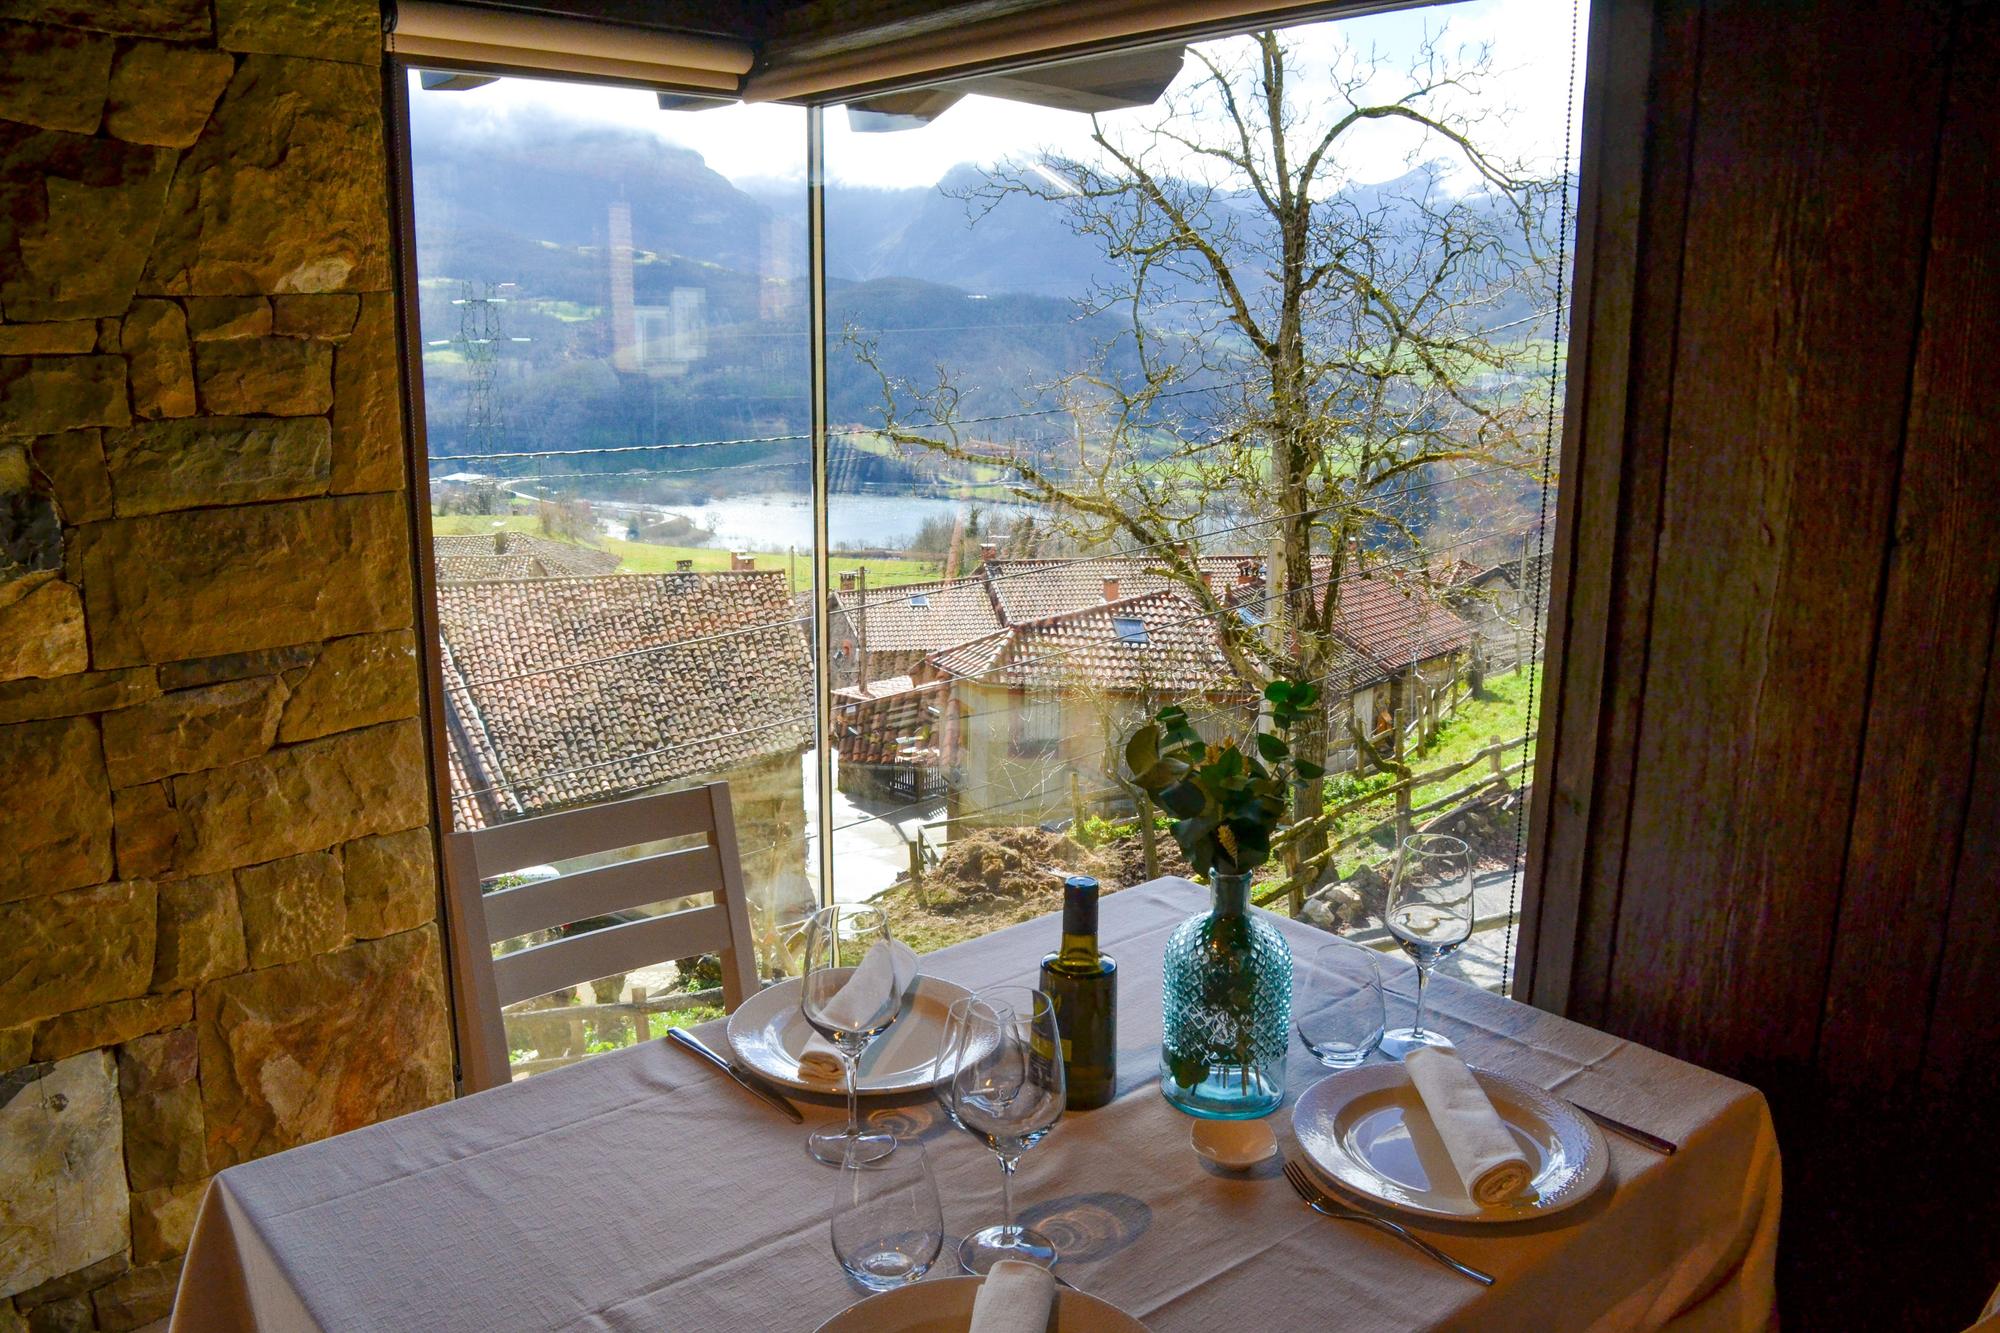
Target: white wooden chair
(484,984)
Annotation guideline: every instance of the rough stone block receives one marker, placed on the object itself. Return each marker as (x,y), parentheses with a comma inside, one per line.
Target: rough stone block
(73,464)
(69,696)
(130,18)
(192,729)
(283,377)
(304,798)
(391,883)
(41,395)
(329,318)
(71,1314)
(295,1053)
(141,1297)
(356,682)
(367,403)
(17,1046)
(166,465)
(200,932)
(214,318)
(163,1219)
(58,809)
(110,334)
(236,666)
(111,1024)
(53,77)
(162,94)
(166,587)
(68,337)
(155,341)
(322,29)
(293,908)
(146,831)
(81,215)
(41,628)
(166,1135)
(62,1187)
(72,950)
(285,191)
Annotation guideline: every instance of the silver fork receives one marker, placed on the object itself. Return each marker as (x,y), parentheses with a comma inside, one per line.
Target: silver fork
(1315,1199)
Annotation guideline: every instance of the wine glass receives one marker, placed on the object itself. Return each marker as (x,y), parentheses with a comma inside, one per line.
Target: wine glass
(848,993)
(1007,1090)
(887,1225)
(1340,1013)
(1430,914)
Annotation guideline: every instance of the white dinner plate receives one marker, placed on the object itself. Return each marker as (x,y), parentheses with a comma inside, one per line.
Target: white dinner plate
(1367,1131)
(944,1305)
(767,1032)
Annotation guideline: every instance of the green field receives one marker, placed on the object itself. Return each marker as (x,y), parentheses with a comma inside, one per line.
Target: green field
(647,558)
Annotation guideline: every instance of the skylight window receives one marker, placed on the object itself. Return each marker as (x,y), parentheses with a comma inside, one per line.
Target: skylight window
(920,599)
(1248,615)
(1131,630)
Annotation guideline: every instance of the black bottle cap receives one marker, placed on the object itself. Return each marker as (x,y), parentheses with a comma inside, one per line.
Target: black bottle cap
(1079,905)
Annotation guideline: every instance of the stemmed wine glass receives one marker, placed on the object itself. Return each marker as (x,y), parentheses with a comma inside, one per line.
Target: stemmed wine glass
(1430,914)
(1007,1089)
(849,995)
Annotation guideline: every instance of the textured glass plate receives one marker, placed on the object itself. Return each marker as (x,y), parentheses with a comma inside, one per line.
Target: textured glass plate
(944,1305)
(767,1032)
(1367,1131)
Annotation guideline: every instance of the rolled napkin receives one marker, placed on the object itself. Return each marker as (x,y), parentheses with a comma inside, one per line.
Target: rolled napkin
(1015,1298)
(1482,1148)
(819,1059)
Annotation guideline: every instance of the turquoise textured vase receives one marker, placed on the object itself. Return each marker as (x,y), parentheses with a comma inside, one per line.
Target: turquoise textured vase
(1228,1009)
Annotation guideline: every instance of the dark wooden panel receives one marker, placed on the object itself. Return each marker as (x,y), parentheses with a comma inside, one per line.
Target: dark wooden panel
(1962,1044)
(1937,617)
(1800,284)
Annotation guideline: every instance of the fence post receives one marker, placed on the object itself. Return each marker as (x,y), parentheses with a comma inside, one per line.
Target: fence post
(642,1027)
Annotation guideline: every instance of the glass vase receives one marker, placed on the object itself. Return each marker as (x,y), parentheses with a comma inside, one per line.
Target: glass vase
(1228,1009)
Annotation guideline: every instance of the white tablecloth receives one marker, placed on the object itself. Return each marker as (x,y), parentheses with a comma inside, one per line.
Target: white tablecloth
(640,1190)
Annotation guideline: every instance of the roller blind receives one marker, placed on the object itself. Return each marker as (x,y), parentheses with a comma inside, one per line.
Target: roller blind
(827,71)
(464,38)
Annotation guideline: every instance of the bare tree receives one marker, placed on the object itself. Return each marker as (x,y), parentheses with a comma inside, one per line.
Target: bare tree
(1307,351)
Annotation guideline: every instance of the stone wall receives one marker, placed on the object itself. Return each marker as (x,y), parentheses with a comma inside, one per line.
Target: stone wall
(217,896)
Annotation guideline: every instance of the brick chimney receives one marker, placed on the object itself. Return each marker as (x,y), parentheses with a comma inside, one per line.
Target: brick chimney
(989,550)
(847,581)
(683,566)
(1208,579)
(739,561)
(1247,572)
(1110,588)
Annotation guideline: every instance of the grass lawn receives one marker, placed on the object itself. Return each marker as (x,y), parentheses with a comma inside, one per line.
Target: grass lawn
(1499,710)
(647,558)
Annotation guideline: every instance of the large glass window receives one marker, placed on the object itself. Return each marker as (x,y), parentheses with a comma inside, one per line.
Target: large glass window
(1197,368)
(1151,378)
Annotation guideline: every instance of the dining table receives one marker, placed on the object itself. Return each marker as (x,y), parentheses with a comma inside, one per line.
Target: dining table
(642,1189)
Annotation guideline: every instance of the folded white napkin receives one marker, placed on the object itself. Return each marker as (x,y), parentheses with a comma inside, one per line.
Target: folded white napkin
(1015,1298)
(1489,1161)
(851,1005)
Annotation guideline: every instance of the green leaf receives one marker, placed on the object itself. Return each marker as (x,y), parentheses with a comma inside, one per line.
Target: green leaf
(1183,799)
(1143,750)
(1309,771)
(1272,747)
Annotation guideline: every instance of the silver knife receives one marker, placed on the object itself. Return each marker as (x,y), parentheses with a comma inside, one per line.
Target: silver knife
(682,1037)
(1665,1147)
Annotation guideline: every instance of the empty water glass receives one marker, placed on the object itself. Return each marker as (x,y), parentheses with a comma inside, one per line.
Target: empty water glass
(1339,1006)
(888,1226)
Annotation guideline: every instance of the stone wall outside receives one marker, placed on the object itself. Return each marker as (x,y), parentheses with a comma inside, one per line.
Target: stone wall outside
(217,896)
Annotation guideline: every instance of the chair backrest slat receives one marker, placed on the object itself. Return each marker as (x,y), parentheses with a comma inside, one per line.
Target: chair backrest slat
(541,968)
(600,891)
(594,828)
(483,984)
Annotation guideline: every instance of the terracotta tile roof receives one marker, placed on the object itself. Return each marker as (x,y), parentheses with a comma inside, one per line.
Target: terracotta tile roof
(1028,590)
(469,557)
(921,618)
(683,694)
(1398,620)
(893,721)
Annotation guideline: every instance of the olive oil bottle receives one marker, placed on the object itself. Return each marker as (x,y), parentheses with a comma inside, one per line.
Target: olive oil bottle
(1083,984)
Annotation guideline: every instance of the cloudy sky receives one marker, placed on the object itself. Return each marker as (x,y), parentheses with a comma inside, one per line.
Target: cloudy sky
(1530,57)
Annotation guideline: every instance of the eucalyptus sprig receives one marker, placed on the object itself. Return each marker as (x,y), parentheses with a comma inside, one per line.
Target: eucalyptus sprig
(1226,801)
